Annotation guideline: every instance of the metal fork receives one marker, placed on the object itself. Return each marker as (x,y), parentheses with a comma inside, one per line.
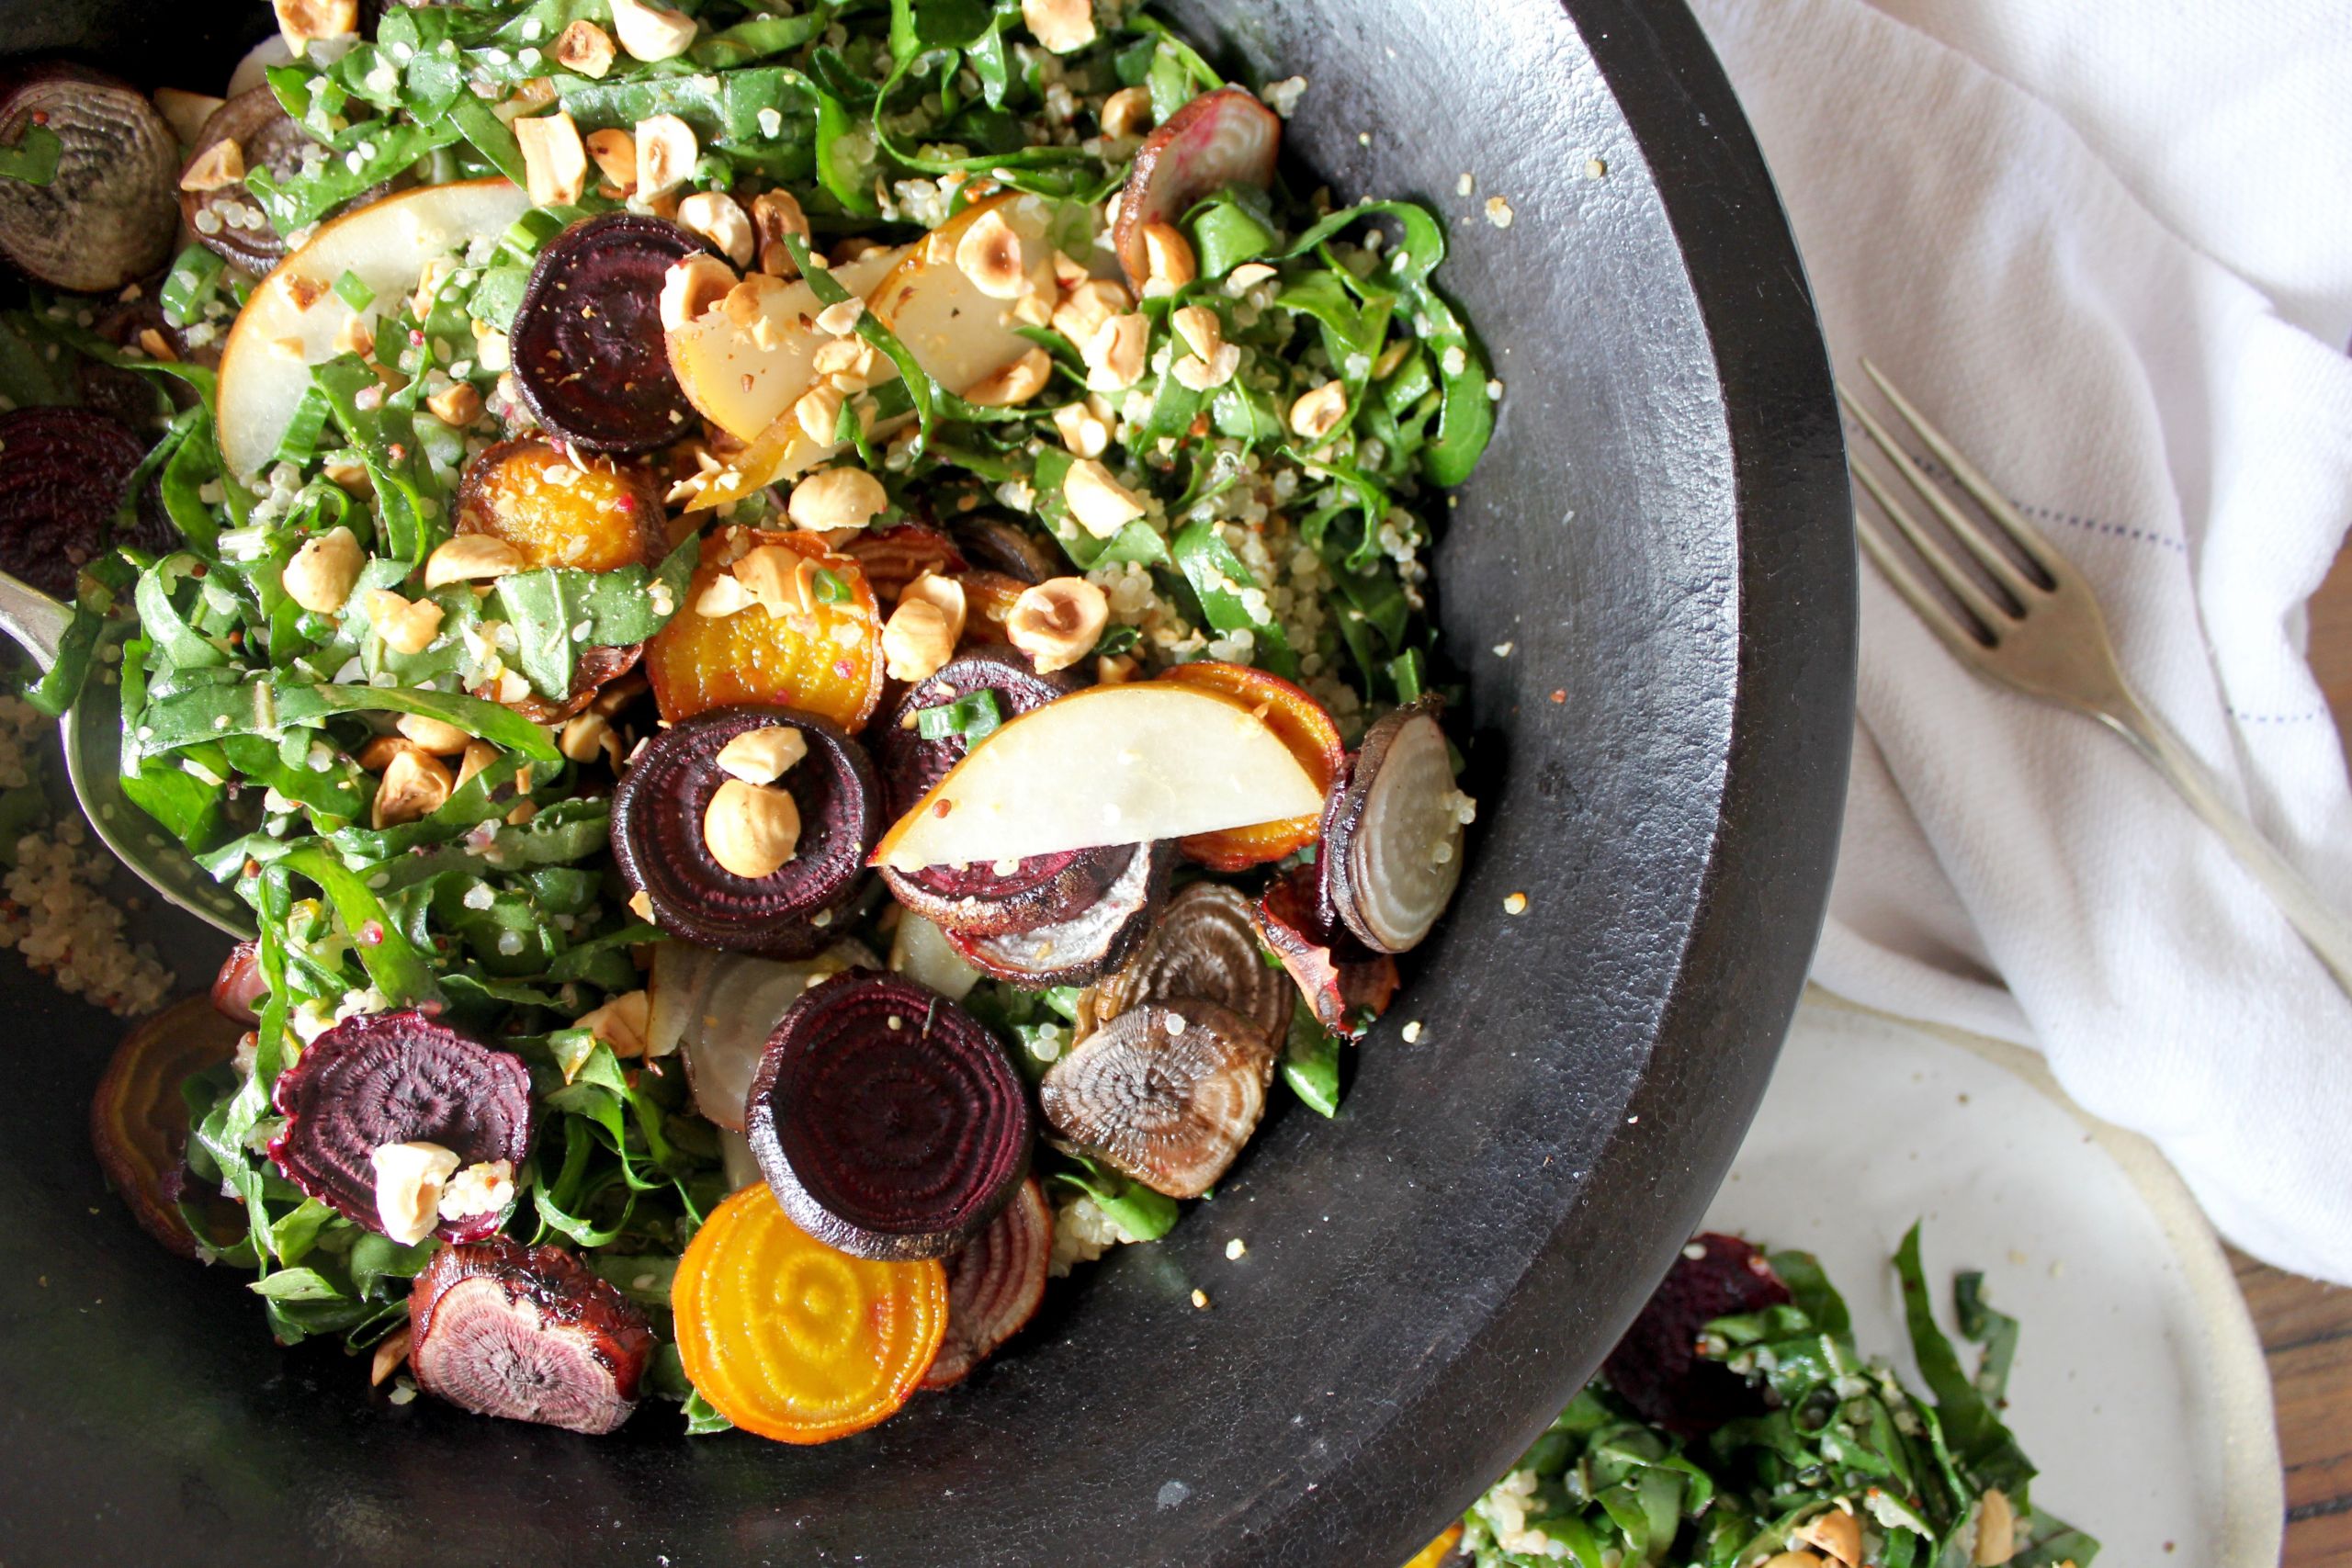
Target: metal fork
(2038,628)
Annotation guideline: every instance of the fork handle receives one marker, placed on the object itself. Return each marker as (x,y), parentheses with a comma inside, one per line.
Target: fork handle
(2327,932)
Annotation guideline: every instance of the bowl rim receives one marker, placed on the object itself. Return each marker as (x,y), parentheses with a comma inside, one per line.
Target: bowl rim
(1765,889)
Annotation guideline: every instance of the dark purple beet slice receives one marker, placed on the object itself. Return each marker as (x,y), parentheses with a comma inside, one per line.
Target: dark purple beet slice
(888,1120)
(998,545)
(528,1333)
(1084,946)
(61,471)
(108,217)
(1656,1368)
(589,352)
(397,1077)
(981,899)
(994,1283)
(658,835)
(267,138)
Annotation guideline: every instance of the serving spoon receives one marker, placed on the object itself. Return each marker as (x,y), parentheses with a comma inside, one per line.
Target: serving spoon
(93,735)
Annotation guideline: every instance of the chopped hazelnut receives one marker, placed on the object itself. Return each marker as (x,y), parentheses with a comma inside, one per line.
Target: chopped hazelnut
(1015,384)
(406,626)
(1100,503)
(1127,112)
(614,152)
(751,829)
(666,155)
(586,49)
(1168,260)
(717,216)
(415,785)
(457,405)
(651,33)
(320,576)
(1060,25)
(1057,622)
(837,498)
(692,286)
(988,252)
(219,165)
(408,1187)
(763,756)
(1115,354)
(470,558)
(555,162)
(1316,413)
(622,1023)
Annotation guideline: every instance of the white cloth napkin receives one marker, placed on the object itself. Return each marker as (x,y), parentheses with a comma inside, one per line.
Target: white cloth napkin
(2107,246)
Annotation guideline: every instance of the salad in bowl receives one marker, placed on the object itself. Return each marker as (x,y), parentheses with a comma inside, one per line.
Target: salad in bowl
(804,627)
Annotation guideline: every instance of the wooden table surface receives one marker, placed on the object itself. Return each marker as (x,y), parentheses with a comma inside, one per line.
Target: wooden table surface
(2307,1328)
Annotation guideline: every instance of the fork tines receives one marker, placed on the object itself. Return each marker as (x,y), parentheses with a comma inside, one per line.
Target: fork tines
(1999,590)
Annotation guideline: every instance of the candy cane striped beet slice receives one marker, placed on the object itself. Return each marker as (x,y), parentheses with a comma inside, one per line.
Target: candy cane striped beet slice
(887,1120)
(527,1333)
(397,1077)
(994,1285)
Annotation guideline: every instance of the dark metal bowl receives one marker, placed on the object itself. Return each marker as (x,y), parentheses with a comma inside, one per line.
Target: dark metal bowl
(1659,536)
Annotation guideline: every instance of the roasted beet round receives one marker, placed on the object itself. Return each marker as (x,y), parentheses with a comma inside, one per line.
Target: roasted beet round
(1656,1368)
(895,556)
(61,472)
(1088,944)
(981,899)
(1220,138)
(397,1077)
(1346,984)
(1168,1094)
(1392,836)
(994,1283)
(661,838)
(589,353)
(266,138)
(108,217)
(995,545)
(1205,945)
(528,1333)
(888,1120)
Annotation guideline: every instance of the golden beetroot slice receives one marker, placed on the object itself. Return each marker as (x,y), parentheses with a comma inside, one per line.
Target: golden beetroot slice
(887,1120)
(138,1122)
(589,356)
(397,1077)
(61,471)
(660,842)
(528,1334)
(559,508)
(1220,138)
(822,657)
(994,1285)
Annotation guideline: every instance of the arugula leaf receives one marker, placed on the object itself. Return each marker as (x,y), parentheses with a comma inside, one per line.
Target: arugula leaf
(33,160)
(556,610)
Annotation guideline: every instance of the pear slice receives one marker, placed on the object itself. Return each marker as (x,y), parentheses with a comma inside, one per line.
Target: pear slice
(1108,765)
(744,370)
(292,319)
(959,332)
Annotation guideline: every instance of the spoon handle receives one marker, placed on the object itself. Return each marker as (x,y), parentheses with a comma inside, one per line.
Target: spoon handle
(34,620)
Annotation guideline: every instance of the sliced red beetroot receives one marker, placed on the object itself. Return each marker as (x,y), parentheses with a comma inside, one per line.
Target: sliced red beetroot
(1220,138)
(1204,946)
(888,1120)
(589,353)
(241,986)
(1658,1369)
(108,217)
(994,1283)
(1166,1094)
(1391,837)
(1084,946)
(528,1334)
(397,1077)
(62,473)
(892,557)
(1345,983)
(995,545)
(981,899)
(660,845)
(266,138)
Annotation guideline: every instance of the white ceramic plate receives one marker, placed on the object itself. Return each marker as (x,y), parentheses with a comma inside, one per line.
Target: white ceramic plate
(2139,1386)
